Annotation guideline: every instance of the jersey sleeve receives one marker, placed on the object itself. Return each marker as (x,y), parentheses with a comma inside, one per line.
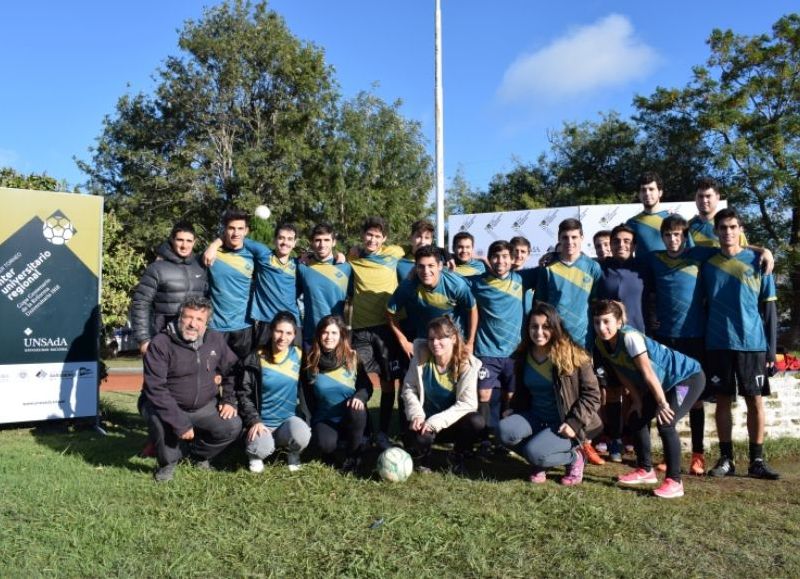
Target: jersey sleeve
(400,297)
(261,253)
(394,251)
(529,277)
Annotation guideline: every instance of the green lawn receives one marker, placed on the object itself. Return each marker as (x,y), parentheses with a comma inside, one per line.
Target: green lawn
(75,503)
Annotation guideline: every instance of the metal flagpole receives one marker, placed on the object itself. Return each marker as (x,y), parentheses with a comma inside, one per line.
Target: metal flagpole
(439,129)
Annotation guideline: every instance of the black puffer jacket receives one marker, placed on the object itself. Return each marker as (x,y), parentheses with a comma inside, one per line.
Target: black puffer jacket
(165,285)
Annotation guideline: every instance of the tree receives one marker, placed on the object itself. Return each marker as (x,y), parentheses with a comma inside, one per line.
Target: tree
(249,114)
(745,102)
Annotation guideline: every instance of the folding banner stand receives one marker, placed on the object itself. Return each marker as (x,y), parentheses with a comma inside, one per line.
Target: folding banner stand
(50,269)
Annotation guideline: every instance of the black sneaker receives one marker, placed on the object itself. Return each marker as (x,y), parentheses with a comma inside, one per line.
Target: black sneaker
(760,469)
(164,473)
(351,464)
(724,467)
(456,462)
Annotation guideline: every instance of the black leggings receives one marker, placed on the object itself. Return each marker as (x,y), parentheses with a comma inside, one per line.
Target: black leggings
(351,428)
(464,433)
(639,426)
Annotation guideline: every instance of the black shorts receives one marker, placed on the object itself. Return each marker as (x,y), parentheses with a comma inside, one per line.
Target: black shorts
(497,373)
(731,371)
(694,348)
(378,352)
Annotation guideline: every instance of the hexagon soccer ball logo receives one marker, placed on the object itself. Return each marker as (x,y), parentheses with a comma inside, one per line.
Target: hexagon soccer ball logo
(58,229)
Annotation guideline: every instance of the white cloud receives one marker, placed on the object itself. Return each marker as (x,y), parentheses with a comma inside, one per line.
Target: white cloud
(604,54)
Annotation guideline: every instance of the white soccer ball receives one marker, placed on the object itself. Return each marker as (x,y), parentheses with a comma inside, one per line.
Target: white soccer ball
(395,465)
(263,212)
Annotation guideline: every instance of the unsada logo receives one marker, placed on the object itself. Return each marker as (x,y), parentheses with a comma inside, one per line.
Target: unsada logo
(58,229)
(43,343)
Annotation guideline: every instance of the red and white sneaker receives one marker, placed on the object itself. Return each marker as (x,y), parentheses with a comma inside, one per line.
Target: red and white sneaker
(669,489)
(637,477)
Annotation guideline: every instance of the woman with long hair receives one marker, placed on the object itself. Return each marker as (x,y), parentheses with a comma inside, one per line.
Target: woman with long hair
(440,392)
(556,401)
(662,384)
(267,394)
(336,407)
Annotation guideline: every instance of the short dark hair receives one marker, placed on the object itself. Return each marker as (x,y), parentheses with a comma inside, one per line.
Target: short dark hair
(375,222)
(622,227)
(421,226)
(428,251)
(726,213)
(197,303)
(674,221)
(706,182)
(286,226)
(603,307)
(570,224)
(601,233)
(649,177)
(462,235)
(498,246)
(180,227)
(323,229)
(234,214)
(518,240)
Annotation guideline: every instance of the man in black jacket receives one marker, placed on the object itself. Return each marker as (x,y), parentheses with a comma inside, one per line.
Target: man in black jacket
(166,284)
(185,410)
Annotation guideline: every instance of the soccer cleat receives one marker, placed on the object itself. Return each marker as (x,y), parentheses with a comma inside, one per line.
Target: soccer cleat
(256,465)
(538,476)
(591,454)
(574,474)
(698,464)
(669,489)
(615,451)
(164,473)
(724,467)
(637,477)
(293,460)
(760,469)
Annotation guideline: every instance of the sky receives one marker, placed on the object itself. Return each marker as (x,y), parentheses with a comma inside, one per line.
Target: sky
(513,70)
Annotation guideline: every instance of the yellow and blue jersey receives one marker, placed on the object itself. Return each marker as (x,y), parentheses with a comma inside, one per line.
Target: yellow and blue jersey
(451,296)
(569,288)
(279,382)
(538,379)
(439,387)
(500,305)
(374,282)
(275,289)
(325,286)
(734,289)
(405,266)
(332,390)
(229,281)
(647,227)
(470,268)
(670,366)
(702,234)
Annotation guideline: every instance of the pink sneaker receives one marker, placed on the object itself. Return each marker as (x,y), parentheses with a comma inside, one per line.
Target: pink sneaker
(669,489)
(574,474)
(637,477)
(538,476)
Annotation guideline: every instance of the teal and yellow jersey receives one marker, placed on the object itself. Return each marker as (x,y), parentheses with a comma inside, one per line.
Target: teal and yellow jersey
(568,288)
(275,289)
(325,286)
(374,282)
(500,305)
(647,227)
(279,381)
(679,294)
(470,268)
(404,268)
(440,393)
(538,379)
(451,296)
(332,390)
(734,289)
(670,366)
(701,233)
(229,281)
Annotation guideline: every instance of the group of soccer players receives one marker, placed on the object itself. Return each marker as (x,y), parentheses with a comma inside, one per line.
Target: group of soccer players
(673,312)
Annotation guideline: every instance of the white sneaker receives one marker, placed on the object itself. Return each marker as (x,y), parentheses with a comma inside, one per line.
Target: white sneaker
(256,465)
(293,460)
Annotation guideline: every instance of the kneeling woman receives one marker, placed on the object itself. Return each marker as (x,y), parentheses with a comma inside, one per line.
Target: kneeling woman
(268,395)
(337,408)
(440,392)
(557,406)
(651,373)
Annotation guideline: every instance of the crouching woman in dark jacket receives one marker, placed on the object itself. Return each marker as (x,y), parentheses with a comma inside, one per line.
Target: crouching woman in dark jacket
(268,394)
(556,402)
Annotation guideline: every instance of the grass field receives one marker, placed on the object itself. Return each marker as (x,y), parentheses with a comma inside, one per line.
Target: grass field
(76,503)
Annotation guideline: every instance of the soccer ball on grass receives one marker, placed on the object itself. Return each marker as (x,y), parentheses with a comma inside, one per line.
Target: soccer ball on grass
(395,465)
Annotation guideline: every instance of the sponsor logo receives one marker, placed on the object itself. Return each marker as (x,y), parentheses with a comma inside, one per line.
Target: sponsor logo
(467,224)
(517,225)
(33,343)
(27,331)
(58,229)
(23,374)
(490,227)
(609,215)
(483,374)
(548,219)
(41,374)
(83,371)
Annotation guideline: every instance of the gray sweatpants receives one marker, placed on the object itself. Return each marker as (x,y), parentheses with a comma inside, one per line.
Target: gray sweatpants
(543,448)
(293,435)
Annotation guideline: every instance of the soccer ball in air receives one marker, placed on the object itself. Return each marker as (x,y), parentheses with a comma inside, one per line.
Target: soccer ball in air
(395,465)
(58,229)
(262,212)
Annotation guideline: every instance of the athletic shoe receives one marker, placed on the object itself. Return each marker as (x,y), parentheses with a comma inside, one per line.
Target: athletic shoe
(164,473)
(538,476)
(456,462)
(591,454)
(601,447)
(351,464)
(293,460)
(698,465)
(615,451)
(760,469)
(661,467)
(422,469)
(382,441)
(203,465)
(637,477)
(574,474)
(669,489)
(724,467)
(485,449)
(256,465)
(630,449)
